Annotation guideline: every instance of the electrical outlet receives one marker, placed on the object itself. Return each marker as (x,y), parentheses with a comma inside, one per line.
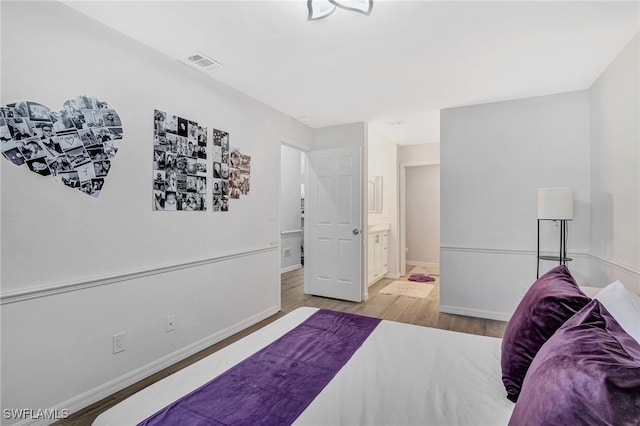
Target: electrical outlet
(118,342)
(287,252)
(171,323)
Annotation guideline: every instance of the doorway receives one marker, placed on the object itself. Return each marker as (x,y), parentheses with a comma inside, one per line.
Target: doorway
(419,215)
(292,178)
(328,234)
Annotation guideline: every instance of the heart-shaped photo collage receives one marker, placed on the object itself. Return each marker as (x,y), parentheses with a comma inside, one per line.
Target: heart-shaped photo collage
(74,146)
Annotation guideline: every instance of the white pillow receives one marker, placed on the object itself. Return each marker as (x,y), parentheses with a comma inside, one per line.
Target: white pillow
(623,305)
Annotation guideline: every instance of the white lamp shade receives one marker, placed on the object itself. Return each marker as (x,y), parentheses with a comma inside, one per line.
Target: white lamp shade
(555,203)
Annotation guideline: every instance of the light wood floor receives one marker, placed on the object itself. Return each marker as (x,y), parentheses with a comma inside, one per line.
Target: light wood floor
(396,308)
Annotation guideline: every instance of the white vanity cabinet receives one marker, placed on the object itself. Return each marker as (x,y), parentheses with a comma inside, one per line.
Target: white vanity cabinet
(377,257)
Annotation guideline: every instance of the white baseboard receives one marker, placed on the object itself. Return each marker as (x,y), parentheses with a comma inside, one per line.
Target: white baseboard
(94,395)
(423,264)
(372,282)
(393,276)
(290,268)
(477,313)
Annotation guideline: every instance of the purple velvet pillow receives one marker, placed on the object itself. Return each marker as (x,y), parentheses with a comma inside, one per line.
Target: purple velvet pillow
(549,302)
(588,373)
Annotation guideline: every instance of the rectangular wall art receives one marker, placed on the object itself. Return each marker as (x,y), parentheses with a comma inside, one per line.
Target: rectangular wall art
(179,164)
(220,170)
(231,171)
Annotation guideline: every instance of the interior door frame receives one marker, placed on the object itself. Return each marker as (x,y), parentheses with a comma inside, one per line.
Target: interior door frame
(402,188)
(363,211)
(361,227)
(305,149)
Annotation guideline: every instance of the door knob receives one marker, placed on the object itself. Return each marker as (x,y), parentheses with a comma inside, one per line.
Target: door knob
(356,231)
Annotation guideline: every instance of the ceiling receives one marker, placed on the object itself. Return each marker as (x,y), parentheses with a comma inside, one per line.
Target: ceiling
(396,68)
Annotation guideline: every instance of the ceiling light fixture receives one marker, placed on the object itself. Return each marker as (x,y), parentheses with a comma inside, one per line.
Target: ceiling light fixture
(319,9)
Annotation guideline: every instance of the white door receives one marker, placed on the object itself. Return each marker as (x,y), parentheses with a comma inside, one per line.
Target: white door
(332,224)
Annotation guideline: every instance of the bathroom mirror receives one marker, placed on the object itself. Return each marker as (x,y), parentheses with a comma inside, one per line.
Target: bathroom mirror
(374,194)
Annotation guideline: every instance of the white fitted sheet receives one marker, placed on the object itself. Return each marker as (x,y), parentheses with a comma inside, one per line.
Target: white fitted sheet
(402,375)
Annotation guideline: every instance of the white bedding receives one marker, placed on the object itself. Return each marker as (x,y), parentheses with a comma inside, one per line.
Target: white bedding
(402,375)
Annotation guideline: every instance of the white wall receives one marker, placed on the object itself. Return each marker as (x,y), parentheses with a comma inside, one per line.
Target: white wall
(428,153)
(615,171)
(382,161)
(76,270)
(493,159)
(290,223)
(423,214)
(352,134)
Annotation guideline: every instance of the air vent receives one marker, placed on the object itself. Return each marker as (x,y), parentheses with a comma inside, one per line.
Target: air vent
(394,123)
(203,62)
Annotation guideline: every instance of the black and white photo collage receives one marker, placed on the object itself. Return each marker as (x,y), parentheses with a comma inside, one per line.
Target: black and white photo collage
(74,146)
(220,181)
(179,164)
(239,171)
(180,171)
(231,171)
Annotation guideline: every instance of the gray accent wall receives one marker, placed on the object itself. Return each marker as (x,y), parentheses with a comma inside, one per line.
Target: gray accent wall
(615,170)
(494,156)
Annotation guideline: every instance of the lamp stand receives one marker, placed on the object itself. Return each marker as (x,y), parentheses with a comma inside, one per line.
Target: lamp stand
(562,256)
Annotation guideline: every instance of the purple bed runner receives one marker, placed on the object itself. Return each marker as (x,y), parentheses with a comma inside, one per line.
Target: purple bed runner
(274,385)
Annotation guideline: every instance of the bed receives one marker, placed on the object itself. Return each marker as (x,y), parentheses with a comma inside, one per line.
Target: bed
(402,374)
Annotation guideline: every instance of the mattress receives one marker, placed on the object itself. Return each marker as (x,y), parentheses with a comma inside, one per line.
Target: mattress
(401,375)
